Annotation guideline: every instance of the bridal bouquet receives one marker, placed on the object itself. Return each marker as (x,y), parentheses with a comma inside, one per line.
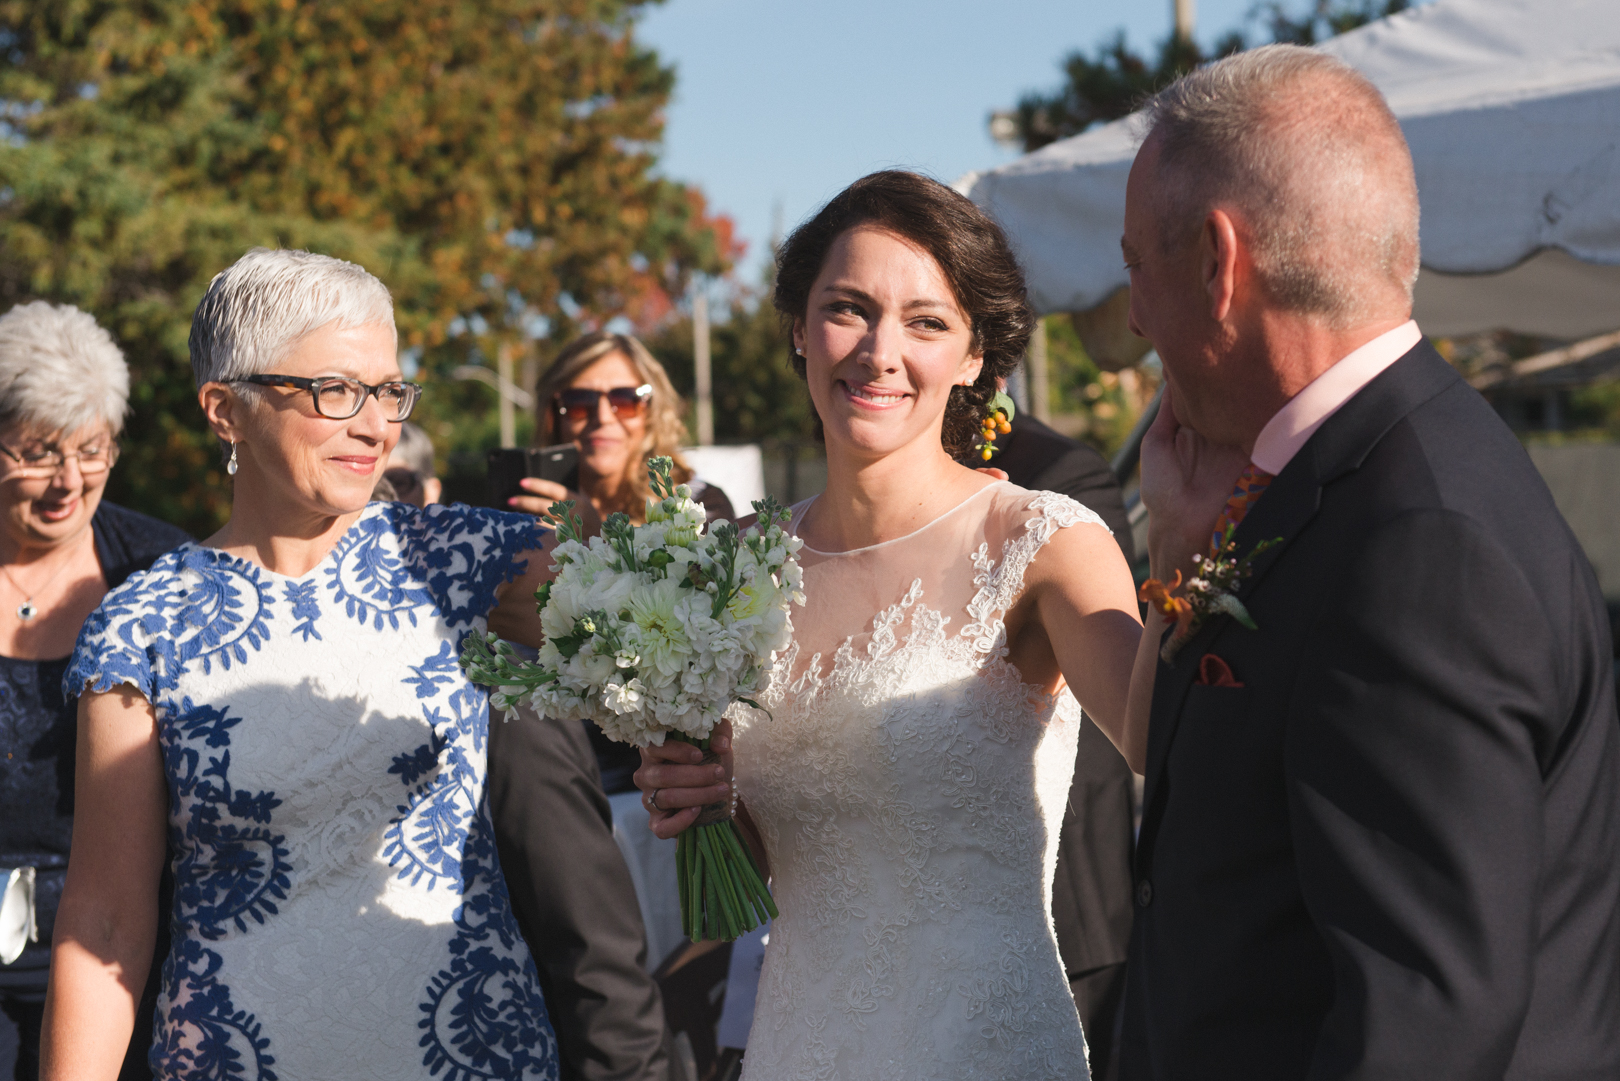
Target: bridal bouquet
(652,632)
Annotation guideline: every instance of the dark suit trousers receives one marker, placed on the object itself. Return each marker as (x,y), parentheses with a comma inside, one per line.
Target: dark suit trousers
(574,900)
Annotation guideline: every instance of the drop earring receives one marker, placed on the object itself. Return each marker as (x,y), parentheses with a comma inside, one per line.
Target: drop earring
(230,466)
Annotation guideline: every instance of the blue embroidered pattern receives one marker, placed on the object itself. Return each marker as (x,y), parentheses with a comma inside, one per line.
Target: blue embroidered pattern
(305,607)
(402,584)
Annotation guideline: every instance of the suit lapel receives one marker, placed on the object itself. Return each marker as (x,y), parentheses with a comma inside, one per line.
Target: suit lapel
(1286,508)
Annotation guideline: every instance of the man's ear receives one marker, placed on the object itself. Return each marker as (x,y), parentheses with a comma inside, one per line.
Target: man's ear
(1218,257)
(223,409)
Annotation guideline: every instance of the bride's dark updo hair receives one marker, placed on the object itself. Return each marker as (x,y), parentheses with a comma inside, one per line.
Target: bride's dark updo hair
(972,253)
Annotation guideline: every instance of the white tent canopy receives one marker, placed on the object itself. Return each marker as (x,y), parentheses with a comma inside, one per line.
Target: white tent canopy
(1512,110)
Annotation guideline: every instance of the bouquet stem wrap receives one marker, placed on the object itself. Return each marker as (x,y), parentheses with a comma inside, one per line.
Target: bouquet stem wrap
(652,632)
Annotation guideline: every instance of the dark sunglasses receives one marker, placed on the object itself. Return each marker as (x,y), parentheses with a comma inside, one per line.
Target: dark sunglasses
(580,403)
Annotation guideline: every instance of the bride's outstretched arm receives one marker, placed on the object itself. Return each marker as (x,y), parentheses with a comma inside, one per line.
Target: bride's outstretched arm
(1085,591)
(1085,607)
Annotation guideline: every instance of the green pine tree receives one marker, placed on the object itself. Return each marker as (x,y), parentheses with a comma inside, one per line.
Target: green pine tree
(491,162)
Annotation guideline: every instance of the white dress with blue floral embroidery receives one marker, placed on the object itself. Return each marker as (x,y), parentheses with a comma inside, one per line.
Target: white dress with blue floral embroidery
(339,906)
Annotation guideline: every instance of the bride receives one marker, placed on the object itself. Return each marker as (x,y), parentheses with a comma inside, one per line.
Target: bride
(907,789)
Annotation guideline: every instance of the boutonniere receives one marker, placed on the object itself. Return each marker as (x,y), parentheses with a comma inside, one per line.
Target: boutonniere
(1210,592)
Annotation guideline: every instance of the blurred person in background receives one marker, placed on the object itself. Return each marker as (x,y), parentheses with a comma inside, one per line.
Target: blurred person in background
(283,703)
(64,391)
(607,395)
(1091,892)
(410,468)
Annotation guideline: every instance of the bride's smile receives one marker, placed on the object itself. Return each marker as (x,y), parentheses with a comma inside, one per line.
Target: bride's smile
(871,396)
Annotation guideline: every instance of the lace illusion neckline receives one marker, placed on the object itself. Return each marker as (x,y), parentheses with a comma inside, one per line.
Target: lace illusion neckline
(896,540)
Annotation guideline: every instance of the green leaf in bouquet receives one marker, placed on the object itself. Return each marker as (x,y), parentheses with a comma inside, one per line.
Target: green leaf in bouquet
(756,705)
(621,537)
(585,628)
(771,512)
(569,526)
(659,476)
(542,596)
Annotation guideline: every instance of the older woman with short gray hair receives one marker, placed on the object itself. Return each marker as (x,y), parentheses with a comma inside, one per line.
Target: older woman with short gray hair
(283,703)
(64,390)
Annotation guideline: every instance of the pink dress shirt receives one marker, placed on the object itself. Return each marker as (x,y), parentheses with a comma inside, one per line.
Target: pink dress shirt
(1305,412)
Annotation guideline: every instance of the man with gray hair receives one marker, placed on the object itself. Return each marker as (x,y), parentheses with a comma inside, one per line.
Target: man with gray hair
(1383,776)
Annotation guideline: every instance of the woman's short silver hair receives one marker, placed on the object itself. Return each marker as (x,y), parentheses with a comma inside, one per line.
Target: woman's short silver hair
(257,308)
(60,371)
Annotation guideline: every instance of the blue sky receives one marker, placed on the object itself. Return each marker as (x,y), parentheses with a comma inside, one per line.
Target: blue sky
(785,103)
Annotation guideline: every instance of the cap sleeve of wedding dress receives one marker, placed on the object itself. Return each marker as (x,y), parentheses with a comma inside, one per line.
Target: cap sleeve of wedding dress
(909,788)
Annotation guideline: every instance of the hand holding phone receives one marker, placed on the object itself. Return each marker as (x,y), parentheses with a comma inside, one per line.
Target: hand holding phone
(531,481)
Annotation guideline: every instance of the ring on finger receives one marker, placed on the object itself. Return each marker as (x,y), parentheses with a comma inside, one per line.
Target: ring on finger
(653,799)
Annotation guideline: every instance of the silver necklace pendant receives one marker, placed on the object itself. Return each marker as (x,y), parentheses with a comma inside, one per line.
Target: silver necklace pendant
(26,610)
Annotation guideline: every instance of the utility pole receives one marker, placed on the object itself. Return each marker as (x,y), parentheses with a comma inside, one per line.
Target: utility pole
(503,374)
(1184,12)
(510,395)
(700,364)
(1040,403)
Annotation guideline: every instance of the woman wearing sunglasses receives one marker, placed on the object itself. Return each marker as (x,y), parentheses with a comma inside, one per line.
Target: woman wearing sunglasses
(607,395)
(277,712)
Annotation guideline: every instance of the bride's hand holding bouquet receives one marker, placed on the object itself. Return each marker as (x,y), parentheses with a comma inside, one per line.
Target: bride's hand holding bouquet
(652,632)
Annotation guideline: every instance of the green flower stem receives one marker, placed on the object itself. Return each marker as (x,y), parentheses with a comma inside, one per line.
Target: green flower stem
(693,887)
(729,917)
(729,886)
(751,904)
(712,911)
(744,872)
(749,874)
(682,862)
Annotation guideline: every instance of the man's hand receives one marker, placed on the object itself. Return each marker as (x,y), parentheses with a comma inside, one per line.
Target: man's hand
(1186,480)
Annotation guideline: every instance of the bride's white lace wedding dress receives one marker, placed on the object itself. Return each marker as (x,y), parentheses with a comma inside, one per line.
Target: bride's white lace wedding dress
(910,788)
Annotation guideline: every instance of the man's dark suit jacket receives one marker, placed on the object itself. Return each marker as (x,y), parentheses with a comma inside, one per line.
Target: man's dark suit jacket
(574,900)
(1091,895)
(1392,852)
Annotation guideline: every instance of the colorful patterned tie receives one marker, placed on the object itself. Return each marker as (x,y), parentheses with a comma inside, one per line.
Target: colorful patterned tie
(1250,487)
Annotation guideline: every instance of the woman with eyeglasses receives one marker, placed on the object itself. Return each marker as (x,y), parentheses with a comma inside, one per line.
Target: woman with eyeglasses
(64,391)
(607,395)
(281,708)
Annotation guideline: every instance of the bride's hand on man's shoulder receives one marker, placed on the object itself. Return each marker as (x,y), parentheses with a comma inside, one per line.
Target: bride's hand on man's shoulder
(1186,480)
(675,783)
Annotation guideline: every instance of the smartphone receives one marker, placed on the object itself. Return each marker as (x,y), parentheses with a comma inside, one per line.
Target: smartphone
(509,465)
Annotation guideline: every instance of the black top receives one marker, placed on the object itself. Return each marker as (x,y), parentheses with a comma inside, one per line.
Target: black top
(1387,849)
(38,731)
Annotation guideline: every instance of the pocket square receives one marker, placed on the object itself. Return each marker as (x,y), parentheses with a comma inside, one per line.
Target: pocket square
(1214,672)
